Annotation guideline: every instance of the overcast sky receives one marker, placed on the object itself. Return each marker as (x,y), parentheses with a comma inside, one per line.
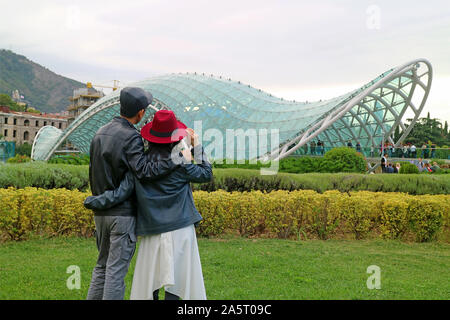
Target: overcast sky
(303,50)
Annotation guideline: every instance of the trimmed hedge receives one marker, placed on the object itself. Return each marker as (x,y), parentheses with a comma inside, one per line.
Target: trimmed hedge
(74,159)
(43,212)
(408,168)
(48,176)
(43,175)
(247,180)
(306,214)
(303,214)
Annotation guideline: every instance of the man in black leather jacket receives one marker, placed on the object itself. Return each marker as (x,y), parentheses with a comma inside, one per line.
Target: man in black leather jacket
(116,149)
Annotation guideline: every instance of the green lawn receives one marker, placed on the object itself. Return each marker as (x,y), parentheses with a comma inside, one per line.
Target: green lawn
(248,269)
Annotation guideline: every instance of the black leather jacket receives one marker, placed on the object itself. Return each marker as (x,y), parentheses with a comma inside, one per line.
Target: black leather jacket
(116,149)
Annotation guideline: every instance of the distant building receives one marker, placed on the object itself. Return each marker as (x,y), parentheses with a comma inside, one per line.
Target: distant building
(15,95)
(82,99)
(22,127)
(19,99)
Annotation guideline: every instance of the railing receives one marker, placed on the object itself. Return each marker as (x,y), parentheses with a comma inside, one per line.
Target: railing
(429,153)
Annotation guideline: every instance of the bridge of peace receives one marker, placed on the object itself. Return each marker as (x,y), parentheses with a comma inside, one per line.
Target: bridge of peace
(369,114)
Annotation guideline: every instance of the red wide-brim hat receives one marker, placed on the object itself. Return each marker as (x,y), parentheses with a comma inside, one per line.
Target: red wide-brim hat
(165,128)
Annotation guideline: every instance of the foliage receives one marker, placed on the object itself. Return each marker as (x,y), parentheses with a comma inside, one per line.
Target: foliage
(301,164)
(394,218)
(307,214)
(247,180)
(24,149)
(428,130)
(281,214)
(75,159)
(426,218)
(18,158)
(43,212)
(6,100)
(48,176)
(360,220)
(43,175)
(408,168)
(245,164)
(336,160)
(343,160)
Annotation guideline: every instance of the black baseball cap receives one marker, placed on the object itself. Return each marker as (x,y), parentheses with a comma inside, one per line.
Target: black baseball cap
(132,100)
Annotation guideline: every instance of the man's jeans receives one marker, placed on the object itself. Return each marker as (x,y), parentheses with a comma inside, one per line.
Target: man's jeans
(116,243)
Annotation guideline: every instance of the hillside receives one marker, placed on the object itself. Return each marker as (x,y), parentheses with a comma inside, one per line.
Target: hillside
(44,89)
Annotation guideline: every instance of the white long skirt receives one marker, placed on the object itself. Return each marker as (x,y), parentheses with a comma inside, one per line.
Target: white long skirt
(170,260)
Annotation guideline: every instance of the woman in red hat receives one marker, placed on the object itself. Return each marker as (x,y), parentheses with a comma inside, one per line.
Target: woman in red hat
(168,253)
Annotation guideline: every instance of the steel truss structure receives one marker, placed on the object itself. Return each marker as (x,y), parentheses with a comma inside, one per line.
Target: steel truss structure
(369,114)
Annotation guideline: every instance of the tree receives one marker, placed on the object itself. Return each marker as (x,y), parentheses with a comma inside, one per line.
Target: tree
(428,129)
(24,149)
(5,100)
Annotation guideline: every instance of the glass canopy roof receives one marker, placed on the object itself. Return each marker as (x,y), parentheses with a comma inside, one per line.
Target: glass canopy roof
(368,114)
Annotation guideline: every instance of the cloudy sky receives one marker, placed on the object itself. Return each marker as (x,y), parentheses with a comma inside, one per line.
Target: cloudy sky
(303,50)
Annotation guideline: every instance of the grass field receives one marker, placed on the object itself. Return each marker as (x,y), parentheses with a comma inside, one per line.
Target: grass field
(237,268)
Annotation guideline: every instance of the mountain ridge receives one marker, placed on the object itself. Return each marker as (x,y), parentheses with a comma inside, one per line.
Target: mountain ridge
(42,88)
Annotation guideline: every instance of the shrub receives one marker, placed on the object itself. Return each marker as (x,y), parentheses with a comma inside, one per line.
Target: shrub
(343,160)
(336,160)
(19,158)
(282,217)
(426,217)
(230,163)
(407,168)
(43,175)
(214,211)
(24,149)
(394,218)
(246,212)
(360,212)
(282,214)
(324,218)
(301,165)
(29,211)
(247,180)
(74,159)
